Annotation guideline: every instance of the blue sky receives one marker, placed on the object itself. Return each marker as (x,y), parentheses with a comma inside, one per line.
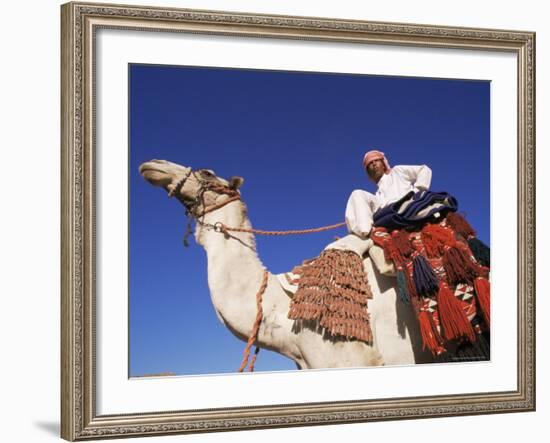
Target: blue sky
(298,140)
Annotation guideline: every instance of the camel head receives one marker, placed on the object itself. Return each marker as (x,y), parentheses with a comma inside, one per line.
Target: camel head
(193,188)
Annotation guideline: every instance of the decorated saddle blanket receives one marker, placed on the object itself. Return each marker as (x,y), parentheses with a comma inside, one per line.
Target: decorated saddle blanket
(415,209)
(442,274)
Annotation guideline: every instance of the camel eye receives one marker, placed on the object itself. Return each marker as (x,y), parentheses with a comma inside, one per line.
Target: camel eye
(206,173)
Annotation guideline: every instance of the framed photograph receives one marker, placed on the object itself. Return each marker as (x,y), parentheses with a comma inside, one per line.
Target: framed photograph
(277,221)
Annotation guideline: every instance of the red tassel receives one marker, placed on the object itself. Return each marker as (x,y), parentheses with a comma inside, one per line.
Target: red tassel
(387,246)
(430,336)
(392,254)
(453,319)
(400,240)
(435,238)
(460,225)
(458,266)
(483,293)
(410,283)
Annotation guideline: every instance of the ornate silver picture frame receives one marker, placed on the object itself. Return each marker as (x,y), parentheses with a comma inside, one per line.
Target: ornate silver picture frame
(83,416)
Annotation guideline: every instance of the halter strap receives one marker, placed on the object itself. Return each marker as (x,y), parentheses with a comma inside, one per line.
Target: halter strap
(176,189)
(219,205)
(204,186)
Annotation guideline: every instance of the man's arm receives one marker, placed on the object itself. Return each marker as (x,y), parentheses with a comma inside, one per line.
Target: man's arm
(419,176)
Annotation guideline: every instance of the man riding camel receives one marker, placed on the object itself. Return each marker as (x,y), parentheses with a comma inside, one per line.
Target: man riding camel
(393,184)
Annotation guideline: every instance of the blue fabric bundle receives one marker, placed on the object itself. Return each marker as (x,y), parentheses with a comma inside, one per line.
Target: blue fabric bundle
(415,209)
(481,251)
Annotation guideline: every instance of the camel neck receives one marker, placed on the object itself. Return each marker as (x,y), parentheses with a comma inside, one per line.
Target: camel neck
(233,215)
(234,270)
(227,252)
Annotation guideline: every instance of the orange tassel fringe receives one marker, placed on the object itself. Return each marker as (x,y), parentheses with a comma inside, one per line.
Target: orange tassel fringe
(333,289)
(454,322)
(435,238)
(430,337)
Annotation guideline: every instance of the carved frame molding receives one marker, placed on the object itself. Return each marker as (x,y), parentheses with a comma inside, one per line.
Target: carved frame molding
(79,23)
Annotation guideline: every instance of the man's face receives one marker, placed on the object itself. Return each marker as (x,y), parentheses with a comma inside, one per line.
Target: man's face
(375,170)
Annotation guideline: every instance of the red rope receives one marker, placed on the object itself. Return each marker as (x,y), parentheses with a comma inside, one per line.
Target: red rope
(219,205)
(290,232)
(234,195)
(256,328)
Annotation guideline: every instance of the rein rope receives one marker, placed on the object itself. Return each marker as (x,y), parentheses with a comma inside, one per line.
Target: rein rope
(255,329)
(221,227)
(233,196)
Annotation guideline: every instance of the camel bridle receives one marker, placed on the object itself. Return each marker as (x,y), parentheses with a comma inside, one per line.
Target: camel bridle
(176,189)
(192,205)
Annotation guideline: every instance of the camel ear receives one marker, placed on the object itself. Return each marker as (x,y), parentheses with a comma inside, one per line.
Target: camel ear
(236,182)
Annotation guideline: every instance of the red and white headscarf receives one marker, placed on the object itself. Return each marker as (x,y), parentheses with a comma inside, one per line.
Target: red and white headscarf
(376,155)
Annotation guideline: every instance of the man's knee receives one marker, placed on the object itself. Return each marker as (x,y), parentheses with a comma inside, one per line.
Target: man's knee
(370,199)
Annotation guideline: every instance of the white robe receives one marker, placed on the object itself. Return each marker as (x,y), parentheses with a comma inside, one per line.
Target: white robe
(391,187)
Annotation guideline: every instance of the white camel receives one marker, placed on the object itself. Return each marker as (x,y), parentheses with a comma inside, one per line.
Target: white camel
(235,273)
